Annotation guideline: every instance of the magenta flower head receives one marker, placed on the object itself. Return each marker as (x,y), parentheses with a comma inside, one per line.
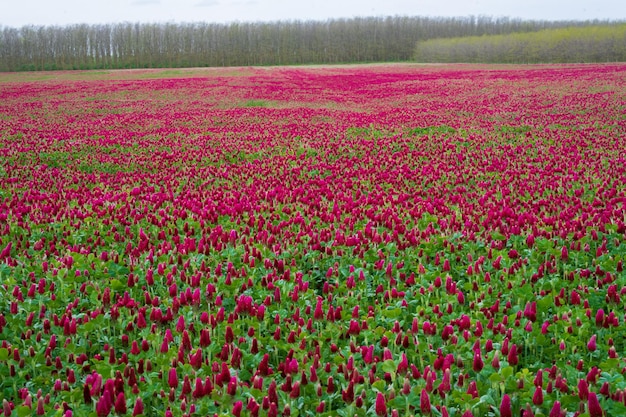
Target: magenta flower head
(556,409)
(538,396)
(600,317)
(138,408)
(591,345)
(237,407)
(381,405)
(593,406)
(425,402)
(104,406)
(505,406)
(583,389)
(478,363)
(512,355)
(273,410)
(120,404)
(40,408)
(172,378)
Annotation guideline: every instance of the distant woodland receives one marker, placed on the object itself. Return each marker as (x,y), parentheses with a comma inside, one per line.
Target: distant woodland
(594,43)
(356,40)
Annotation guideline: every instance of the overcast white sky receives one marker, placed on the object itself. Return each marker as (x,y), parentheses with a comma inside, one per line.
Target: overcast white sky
(17,13)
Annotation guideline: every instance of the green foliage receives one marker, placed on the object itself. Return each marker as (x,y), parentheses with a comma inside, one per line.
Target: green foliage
(430,130)
(596,43)
(256,103)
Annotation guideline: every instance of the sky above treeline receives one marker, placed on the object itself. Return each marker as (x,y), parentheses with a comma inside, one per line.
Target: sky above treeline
(66,12)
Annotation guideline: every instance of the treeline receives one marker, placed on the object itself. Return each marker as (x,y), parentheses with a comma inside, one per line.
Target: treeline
(135,45)
(597,43)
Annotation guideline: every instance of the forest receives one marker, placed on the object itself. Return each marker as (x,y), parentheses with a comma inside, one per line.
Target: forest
(596,43)
(354,40)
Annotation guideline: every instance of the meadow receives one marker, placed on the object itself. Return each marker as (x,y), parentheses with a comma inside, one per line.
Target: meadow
(390,240)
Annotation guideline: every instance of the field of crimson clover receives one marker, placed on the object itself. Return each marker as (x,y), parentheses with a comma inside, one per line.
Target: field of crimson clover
(389,240)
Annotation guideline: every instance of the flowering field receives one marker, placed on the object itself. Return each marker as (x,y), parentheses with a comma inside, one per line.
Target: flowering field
(375,240)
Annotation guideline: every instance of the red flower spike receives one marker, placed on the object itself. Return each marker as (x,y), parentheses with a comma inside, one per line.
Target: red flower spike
(406,387)
(593,406)
(237,408)
(512,355)
(605,390)
(460,298)
(445,386)
(538,396)
(538,381)
(172,378)
(403,365)
(180,325)
(381,405)
(556,409)
(425,402)
(330,385)
(120,403)
(104,406)
(40,408)
(505,406)
(495,363)
(592,375)
(583,389)
(198,391)
(600,318)
(472,389)
(591,345)
(231,388)
(229,335)
(477,364)
(295,390)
